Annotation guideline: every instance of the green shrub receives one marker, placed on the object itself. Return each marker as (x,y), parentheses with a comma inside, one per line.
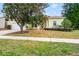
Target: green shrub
(66,23)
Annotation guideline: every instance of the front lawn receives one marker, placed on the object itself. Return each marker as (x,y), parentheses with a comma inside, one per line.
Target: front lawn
(35,48)
(48,33)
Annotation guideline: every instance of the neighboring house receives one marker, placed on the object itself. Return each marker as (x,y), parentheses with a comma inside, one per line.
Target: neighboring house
(2,22)
(52,22)
(8,24)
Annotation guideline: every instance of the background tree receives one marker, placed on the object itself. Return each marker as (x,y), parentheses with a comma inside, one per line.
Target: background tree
(71,12)
(66,24)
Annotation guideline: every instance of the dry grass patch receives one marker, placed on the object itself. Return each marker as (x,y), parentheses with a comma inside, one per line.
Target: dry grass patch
(48,33)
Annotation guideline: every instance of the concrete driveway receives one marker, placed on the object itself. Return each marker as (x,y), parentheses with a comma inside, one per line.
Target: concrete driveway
(2,32)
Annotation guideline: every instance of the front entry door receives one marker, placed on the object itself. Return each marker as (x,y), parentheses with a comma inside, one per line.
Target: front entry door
(8,26)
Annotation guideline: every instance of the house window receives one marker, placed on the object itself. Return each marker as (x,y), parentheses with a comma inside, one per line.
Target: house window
(54,23)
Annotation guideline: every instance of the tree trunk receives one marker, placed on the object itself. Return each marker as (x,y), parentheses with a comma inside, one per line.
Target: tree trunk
(21,29)
(32,25)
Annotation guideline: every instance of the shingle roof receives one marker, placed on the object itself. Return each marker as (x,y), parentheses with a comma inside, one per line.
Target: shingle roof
(55,17)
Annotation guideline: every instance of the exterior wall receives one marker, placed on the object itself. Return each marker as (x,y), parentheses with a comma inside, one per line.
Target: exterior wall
(14,25)
(49,23)
(2,22)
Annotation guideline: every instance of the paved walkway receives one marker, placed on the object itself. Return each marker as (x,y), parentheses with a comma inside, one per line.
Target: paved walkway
(41,39)
(2,32)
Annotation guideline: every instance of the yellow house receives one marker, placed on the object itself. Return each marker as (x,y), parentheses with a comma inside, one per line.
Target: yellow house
(54,21)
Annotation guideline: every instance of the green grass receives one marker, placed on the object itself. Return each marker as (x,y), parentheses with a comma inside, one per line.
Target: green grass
(54,34)
(35,48)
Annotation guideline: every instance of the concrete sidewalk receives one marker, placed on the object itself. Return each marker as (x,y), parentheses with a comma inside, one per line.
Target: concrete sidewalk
(41,39)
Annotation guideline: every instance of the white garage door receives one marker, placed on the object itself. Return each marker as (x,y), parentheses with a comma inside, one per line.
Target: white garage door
(16,27)
(2,22)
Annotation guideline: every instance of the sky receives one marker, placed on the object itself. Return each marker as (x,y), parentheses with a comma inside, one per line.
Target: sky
(1,6)
(54,9)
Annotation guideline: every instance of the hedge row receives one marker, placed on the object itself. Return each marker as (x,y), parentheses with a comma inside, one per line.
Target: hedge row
(59,29)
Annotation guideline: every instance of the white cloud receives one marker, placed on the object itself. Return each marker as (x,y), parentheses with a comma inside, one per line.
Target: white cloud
(54,5)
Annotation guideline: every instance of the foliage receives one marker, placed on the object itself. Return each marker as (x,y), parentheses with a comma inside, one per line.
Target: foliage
(16,12)
(71,12)
(38,20)
(43,20)
(66,23)
(22,12)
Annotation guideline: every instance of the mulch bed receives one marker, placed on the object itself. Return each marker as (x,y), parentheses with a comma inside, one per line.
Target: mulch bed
(19,32)
(27,31)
